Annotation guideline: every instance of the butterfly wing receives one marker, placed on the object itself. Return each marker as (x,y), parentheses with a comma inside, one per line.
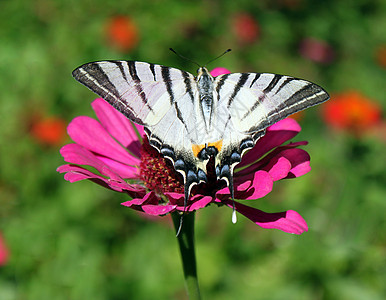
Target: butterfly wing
(252,102)
(158,97)
(143,92)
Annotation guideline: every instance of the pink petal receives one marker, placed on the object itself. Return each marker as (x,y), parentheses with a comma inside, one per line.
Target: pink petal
(149,197)
(278,168)
(123,170)
(289,221)
(76,154)
(201,203)
(157,210)
(300,170)
(300,162)
(260,184)
(276,135)
(219,71)
(90,134)
(194,203)
(76,173)
(265,162)
(117,125)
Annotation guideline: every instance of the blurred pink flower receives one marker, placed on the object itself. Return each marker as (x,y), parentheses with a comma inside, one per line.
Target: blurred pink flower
(4,254)
(125,162)
(316,50)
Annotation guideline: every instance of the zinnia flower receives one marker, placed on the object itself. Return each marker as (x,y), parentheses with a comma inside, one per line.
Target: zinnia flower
(351,111)
(125,162)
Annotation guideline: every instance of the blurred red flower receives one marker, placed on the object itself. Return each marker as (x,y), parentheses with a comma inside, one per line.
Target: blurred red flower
(246,28)
(49,131)
(381,55)
(351,111)
(122,33)
(4,254)
(316,50)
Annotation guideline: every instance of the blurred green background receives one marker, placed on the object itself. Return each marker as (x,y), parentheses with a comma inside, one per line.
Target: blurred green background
(75,241)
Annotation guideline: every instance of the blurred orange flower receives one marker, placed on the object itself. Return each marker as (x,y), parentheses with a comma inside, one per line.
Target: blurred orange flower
(122,33)
(49,131)
(245,28)
(351,111)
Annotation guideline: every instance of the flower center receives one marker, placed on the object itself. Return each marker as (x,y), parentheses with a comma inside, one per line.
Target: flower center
(158,173)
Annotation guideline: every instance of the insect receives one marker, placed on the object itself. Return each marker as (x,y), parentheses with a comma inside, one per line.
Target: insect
(191,119)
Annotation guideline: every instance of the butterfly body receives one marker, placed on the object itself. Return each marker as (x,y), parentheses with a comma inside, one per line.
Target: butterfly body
(191,119)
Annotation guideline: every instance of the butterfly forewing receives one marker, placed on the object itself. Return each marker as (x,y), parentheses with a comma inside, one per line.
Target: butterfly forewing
(143,92)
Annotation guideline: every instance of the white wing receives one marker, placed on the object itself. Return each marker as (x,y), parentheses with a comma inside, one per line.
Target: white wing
(250,102)
(143,92)
(160,98)
(258,100)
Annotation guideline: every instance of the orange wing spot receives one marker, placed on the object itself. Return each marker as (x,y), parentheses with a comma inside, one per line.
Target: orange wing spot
(217,145)
(196,149)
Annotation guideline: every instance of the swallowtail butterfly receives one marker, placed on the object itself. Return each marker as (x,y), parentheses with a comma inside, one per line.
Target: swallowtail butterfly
(190,119)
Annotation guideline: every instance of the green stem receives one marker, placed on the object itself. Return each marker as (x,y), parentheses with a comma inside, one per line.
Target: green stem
(187,250)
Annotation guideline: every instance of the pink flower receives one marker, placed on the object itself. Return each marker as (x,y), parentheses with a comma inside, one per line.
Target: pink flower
(126,163)
(317,50)
(4,254)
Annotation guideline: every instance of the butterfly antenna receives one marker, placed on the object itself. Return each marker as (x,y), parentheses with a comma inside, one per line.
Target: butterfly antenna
(183,57)
(226,51)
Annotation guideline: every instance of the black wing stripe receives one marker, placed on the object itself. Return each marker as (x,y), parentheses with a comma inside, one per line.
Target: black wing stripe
(273,83)
(152,69)
(220,84)
(243,78)
(188,85)
(98,80)
(95,78)
(165,71)
(121,68)
(133,70)
(137,84)
(285,82)
(255,106)
(254,79)
(307,96)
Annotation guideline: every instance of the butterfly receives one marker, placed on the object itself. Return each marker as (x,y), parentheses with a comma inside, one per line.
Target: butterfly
(190,119)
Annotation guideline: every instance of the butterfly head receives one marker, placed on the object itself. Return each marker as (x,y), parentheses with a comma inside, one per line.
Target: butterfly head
(203,72)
